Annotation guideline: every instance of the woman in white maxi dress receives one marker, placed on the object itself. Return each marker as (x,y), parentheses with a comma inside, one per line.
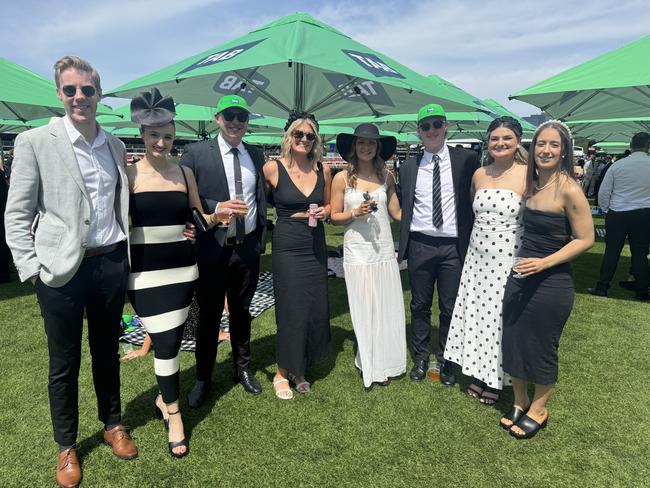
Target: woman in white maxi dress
(363,196)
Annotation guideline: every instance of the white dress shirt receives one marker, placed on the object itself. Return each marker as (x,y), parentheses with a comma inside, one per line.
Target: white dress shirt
(626,185)
(100,177)
(423,203)
(249,182)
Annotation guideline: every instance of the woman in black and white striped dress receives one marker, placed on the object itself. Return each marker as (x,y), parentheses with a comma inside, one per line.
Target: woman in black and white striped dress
(163,264)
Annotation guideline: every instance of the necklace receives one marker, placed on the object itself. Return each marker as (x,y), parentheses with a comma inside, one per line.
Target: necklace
(503,173)
(551,180)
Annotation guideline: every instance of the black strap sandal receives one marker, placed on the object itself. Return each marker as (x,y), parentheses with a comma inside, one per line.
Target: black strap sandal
(529,426)
(513,415)
(475,389)
(490,396)
(181,443)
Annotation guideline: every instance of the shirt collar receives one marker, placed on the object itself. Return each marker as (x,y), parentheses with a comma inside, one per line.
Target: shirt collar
(443,153)
(226,147)
(75,135)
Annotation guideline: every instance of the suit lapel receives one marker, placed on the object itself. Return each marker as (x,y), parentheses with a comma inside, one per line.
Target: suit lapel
(217,162)
(66,154)
(116,152)
(413,169)
(456,170)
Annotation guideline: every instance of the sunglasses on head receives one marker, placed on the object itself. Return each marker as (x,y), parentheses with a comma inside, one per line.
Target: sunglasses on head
(230,115)
(71,90)
(298,134)
(437,124)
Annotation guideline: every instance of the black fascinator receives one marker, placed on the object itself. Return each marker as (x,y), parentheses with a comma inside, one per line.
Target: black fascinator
(151,109)
(294,115)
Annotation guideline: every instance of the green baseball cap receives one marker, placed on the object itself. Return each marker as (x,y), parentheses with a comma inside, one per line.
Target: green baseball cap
(230,101)
(431,110)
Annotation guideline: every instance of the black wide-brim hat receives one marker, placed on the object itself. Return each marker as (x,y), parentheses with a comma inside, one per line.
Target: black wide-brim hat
(367,131)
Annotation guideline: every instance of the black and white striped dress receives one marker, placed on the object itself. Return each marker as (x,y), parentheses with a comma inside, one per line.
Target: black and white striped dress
(163,273)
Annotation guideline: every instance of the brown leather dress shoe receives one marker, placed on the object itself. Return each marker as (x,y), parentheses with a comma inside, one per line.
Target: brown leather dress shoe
(68,471)
(120,440)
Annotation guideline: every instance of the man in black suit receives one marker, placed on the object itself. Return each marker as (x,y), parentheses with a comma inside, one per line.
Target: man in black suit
(437,220)
(230,180)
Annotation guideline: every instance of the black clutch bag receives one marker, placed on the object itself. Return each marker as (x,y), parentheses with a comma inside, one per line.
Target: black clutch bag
(199,221)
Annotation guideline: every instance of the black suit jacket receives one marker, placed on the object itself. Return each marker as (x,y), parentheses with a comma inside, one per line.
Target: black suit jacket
(204,158)
(463,165)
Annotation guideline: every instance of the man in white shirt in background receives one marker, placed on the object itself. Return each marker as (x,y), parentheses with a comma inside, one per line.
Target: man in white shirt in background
(624,196)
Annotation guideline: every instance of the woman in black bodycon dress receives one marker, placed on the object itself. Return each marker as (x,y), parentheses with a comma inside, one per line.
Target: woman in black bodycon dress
(298,180)
(539,293)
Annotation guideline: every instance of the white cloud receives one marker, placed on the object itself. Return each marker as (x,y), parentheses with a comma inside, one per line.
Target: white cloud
(93,20)
(489,48)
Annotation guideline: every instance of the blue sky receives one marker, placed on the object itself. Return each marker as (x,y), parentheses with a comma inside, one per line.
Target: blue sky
(489,48)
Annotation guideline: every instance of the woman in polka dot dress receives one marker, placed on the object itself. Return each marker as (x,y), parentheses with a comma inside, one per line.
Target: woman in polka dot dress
(474,340)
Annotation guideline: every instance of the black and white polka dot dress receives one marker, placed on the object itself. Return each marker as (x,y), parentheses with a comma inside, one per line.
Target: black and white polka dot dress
(474,340)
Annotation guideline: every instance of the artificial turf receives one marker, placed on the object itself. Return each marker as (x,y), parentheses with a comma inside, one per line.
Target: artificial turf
(408,434)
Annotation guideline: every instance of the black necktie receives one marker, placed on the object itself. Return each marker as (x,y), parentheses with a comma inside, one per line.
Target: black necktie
(240,225)
(437,193)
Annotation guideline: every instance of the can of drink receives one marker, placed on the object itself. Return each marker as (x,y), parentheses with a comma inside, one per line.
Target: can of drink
(313,222)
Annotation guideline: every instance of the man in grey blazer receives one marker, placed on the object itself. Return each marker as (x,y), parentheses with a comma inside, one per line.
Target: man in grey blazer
(67,225)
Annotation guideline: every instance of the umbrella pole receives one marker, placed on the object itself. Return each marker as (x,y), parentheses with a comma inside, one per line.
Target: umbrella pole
(328,99)
(298,84)
(266,96)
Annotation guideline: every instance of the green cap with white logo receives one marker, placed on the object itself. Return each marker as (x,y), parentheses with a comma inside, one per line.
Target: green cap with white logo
(431,110)
(232,101)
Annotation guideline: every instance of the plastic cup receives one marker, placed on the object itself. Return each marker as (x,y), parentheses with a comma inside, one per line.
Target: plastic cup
(515,274)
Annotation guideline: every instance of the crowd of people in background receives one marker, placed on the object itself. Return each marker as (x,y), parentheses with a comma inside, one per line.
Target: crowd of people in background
(493,240)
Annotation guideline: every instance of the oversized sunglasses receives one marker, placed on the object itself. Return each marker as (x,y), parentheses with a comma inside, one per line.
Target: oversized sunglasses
(425,126)
(298,135)
(231,115)
(71,90)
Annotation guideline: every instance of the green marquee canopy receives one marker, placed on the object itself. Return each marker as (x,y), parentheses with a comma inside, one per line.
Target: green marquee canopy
(25,95)
(615,84)
(300,63)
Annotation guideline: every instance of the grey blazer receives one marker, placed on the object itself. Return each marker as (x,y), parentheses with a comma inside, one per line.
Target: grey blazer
(48,193)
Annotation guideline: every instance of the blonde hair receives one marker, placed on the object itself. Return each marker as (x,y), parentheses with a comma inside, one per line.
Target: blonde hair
(75,62)
(316,153)
(353,169)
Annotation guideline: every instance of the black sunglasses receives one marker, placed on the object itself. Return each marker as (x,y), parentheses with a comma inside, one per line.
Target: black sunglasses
(298,134)
(425,126)
(71,90)
(230,115)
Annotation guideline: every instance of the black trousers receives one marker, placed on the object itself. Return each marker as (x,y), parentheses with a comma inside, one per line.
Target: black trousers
(99,287)
(231,271)
(635,225)
(431,260)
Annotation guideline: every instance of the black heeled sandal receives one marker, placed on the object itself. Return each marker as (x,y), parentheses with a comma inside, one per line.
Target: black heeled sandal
(158,412)
(181,443)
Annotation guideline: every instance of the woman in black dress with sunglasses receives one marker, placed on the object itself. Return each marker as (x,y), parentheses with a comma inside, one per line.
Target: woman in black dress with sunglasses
(300,188)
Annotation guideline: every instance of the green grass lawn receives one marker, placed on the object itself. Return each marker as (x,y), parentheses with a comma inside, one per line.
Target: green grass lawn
(409,434)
